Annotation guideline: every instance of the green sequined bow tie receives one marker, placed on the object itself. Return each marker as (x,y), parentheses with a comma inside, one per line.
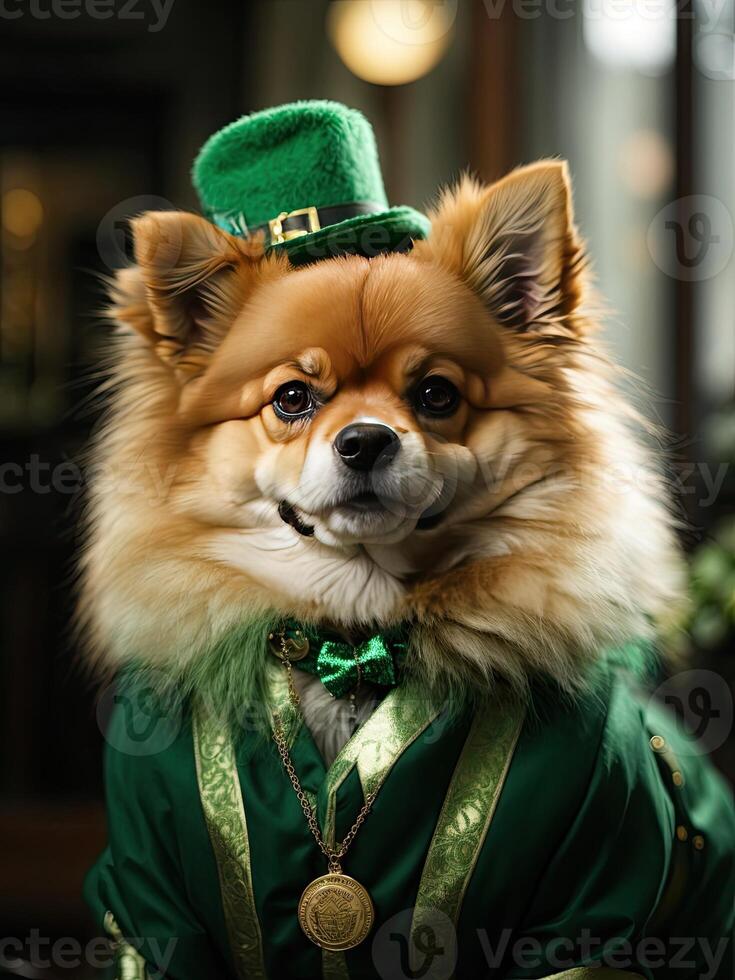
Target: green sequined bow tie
(341,667)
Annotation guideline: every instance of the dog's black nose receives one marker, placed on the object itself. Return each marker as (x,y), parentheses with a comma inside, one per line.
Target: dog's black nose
(364,445)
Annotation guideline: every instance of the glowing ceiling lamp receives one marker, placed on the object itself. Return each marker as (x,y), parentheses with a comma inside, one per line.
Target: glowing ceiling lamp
(391,42)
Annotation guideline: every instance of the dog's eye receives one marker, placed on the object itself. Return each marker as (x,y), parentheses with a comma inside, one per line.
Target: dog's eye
(436,396)
(293,400)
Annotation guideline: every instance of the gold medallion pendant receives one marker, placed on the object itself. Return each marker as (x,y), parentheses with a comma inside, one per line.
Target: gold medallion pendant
(336,912)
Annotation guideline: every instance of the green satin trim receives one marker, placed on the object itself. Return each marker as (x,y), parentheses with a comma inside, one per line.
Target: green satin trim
(465,816)
(399,720)
(224,813)
(374,749)
(129,964)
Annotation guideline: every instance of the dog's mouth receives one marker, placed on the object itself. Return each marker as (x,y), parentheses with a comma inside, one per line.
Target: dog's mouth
(365,503)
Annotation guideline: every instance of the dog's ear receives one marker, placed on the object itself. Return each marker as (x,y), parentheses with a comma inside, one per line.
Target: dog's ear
(516,245)
(190,281)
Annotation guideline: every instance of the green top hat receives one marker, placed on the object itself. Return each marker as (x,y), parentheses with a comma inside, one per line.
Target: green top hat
(307,176)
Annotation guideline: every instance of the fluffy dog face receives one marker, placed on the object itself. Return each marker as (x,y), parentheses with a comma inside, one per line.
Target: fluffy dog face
(420,435)
(352,397)
(361,401)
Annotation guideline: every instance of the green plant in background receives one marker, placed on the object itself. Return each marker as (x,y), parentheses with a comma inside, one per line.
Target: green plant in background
(712,586)
(712,567)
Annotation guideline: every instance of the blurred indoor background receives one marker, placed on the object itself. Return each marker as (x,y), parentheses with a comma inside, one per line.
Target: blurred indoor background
(103,104)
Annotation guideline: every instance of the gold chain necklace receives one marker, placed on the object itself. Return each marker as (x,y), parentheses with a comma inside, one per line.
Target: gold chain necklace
(335,911)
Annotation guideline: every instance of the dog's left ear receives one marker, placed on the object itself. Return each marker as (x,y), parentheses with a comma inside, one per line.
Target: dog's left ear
(515,244)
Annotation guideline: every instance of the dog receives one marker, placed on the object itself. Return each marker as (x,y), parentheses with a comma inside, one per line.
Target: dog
(431,440)
(513,515)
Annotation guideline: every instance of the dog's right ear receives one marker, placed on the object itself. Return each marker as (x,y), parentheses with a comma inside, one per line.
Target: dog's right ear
(190,281)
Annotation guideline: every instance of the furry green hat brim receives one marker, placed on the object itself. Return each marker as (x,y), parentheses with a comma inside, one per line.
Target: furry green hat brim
(306,176)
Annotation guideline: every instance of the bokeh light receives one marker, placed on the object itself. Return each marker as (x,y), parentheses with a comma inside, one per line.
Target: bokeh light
(391,42)
(646,163)
(634,37)
(22,212)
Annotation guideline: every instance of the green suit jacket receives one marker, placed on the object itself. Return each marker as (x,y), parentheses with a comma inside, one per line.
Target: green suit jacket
(514,841)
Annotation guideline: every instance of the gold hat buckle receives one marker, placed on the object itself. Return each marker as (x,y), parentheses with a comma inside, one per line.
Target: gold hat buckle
(275,225)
